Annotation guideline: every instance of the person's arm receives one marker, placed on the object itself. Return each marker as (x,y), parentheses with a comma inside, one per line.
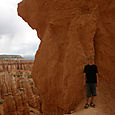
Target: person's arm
(84,75)
(84,82)
(97,76)
(97,79)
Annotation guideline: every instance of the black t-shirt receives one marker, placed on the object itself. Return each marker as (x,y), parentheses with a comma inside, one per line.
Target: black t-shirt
(91,71)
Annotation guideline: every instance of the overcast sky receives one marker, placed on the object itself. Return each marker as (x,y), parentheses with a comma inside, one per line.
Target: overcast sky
(16,37)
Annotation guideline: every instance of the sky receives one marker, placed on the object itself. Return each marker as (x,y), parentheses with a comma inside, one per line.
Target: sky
(16,36)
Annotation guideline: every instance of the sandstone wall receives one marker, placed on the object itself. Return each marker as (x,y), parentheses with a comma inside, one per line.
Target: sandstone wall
(70,31)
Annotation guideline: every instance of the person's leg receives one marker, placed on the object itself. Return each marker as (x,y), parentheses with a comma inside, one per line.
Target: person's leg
(88,94)
(92,102)
(86,105)
(92,99)
(87,100)
(93,92)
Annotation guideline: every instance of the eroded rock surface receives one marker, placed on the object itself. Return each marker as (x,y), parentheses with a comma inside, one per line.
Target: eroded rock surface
(17,94)
(70,31)
(13,66)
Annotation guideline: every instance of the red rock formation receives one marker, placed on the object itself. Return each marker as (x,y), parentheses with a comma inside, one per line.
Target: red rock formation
(17,94)
(15,101)
(9,105)
(70,31)
(12,66)
(23,83)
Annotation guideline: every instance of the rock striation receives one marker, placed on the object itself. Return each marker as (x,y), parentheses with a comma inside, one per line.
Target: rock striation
(14,66)
(70,31)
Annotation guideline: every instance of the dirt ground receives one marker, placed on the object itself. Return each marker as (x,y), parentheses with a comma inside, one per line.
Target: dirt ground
(105,103)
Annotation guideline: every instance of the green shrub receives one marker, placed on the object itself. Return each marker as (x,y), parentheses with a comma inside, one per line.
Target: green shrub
(1,102)
(18,76)
(31,111)
(30,76)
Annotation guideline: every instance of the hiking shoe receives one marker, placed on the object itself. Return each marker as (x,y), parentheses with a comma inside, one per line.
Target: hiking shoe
(92,104)
(86,106)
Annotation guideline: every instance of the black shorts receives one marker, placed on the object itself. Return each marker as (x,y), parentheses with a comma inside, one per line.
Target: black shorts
(91,89)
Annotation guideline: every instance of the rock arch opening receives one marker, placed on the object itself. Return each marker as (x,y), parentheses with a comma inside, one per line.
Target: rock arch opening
(18,45)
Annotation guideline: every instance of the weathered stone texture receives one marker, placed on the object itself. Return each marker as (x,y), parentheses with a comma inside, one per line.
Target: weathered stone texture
(70,31)
(17,95)
(13,66)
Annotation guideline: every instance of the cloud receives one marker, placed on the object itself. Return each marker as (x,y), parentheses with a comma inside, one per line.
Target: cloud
(16,37)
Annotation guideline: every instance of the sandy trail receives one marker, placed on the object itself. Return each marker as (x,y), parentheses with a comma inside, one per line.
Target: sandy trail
(90,111)
(105,103)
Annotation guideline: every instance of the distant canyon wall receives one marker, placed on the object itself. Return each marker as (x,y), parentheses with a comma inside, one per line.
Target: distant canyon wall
(12,66)
(70,31)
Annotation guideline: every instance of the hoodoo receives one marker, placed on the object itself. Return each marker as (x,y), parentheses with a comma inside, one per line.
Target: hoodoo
(70,31)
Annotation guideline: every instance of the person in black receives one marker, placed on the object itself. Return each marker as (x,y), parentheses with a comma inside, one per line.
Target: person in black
(90,81)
